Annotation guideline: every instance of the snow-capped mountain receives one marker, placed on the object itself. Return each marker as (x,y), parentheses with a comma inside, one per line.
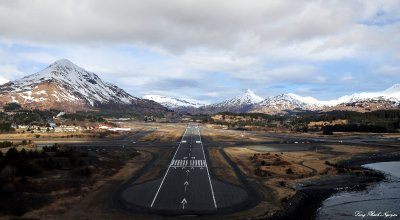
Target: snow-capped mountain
(282,102)
(174,103)
(289,102)
(66,86)
(366,101)
(392,94)
(240,103)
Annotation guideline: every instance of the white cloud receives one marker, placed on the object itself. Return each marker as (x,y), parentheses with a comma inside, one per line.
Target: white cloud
(389,70)
(177,26)
(3,80)
(347,78)
(265,42)
(40,57)
(9,72)
(289,74)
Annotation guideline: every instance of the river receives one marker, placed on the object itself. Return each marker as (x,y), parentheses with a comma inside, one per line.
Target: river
(379,201)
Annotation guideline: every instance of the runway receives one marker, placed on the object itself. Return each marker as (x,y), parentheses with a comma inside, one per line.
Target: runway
(187,183)
(186,186)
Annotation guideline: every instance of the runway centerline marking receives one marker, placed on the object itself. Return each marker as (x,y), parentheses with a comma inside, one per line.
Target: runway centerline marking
(185,163)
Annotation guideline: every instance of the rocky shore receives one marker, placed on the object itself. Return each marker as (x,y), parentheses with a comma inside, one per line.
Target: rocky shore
(310,194)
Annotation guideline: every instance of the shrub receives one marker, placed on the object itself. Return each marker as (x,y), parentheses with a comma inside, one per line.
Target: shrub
(327,132)
(81,172)
(289,171)
(6,144)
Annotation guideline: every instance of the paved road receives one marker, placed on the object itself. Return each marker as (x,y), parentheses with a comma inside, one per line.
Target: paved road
(186,187)
(187,183)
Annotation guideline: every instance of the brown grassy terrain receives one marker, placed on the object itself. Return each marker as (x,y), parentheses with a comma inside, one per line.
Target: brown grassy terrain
(33,136)
(159,165)
(166,133)
(94,203)
(66,187)
(276,173)
(221,168)
(212,134)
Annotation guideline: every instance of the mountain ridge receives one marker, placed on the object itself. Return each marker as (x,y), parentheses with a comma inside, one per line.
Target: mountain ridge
(66,86)
(283,103)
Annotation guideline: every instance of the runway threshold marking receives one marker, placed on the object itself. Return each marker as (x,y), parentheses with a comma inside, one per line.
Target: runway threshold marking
(184,164)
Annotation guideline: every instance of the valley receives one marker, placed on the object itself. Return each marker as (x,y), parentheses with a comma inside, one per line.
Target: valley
(274,170)
(86,149)
(199,110)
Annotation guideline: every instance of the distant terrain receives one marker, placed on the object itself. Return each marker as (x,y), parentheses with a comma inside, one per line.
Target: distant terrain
(66,86)
(288,103)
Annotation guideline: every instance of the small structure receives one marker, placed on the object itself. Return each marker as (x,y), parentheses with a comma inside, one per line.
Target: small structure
(104,126)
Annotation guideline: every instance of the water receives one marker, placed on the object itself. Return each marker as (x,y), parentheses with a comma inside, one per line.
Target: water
(379,201)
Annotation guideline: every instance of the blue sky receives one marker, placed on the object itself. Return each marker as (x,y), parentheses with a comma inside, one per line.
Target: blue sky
(209,50)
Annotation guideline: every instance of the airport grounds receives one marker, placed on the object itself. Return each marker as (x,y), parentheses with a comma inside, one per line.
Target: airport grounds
(275,168)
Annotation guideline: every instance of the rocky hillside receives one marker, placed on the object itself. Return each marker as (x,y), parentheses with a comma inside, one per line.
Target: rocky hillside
(66,86)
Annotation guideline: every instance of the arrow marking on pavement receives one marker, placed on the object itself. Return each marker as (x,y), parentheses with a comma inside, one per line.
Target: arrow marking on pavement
(184,202)
(186,184)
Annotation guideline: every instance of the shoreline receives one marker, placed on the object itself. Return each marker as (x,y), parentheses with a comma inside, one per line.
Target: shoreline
(310,195)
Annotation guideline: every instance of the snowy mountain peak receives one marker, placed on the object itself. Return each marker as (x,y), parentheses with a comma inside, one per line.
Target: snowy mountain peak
(173,103)
(64,85)
(63,62)
(249,97)
(240,103)
(393,89)
(63,70)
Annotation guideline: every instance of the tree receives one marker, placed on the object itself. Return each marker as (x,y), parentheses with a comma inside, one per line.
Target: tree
(12,107)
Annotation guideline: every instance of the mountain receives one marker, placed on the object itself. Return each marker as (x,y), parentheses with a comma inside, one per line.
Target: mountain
(240,103)
(286,102)
(367,101)
(361,102)
(289,102)
(66,86)
(174,103)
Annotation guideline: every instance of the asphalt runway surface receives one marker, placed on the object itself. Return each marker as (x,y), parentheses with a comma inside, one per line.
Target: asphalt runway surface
(186,186)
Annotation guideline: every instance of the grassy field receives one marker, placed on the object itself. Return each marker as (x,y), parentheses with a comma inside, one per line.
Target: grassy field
(274,169)
(277,173)
(211,134)
(164,133)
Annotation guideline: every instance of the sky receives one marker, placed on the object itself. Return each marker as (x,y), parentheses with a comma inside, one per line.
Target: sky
(209,50)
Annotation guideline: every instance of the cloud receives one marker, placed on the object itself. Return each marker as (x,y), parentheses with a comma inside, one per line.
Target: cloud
(389,70)
(40,57)
(9,72)
(347,78)
(3,80)
(216,47)
(289,73)
(177,26)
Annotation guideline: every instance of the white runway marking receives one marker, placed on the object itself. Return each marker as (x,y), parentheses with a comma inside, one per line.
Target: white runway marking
(208,173)
(188,162)
(162,181)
